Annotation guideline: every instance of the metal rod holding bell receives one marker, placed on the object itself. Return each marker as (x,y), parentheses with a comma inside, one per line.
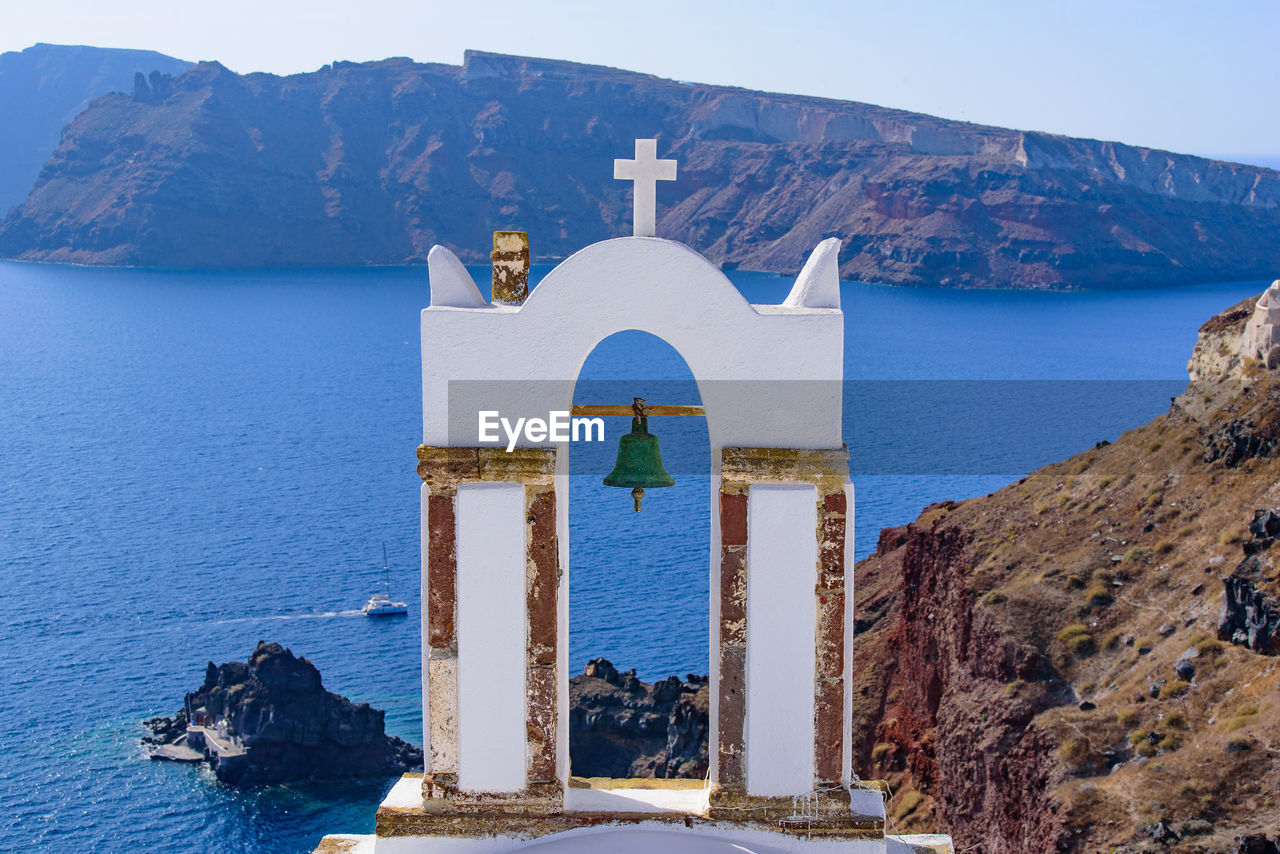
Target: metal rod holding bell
(639,464)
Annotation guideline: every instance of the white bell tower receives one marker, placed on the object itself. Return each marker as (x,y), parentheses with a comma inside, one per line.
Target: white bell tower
(496,564)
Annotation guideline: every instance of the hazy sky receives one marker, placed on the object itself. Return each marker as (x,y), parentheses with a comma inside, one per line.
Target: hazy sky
(1196,77)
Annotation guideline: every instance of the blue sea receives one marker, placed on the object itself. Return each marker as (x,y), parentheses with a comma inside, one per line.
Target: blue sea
(193,461)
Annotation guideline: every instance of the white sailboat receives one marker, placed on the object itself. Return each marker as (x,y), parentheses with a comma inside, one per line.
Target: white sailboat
(380,604)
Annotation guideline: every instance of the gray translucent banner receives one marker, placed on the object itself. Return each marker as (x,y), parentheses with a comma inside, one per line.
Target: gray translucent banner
(911,427)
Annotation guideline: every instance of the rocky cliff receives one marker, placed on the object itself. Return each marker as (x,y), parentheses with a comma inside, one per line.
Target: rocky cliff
(622,727)
(1086,660)
(275,709)
(44,87)
(373,163)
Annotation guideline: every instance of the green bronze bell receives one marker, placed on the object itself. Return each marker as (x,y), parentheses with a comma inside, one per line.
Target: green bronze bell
(639,462)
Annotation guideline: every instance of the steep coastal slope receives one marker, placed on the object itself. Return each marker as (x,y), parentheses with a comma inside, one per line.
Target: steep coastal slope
(43,87)
(373,163)
(1086,660)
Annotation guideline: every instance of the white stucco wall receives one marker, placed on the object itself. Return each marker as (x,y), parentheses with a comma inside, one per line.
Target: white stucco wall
(491,637)
(782,561)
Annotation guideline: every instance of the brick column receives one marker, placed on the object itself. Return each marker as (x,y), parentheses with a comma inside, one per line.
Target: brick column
(543,683)
(443,469)
(828,701)
(828,471)
(732,652)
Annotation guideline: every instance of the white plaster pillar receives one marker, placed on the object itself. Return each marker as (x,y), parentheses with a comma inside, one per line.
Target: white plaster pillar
(782,570)
(491,637)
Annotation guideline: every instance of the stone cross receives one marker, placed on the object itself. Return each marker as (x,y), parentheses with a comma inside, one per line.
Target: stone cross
(646,171)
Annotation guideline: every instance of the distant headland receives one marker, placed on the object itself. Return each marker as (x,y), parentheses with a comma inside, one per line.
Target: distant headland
(373,163)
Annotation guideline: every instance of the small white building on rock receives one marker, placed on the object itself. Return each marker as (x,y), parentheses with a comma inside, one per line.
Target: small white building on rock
(1261,338)
(495,568)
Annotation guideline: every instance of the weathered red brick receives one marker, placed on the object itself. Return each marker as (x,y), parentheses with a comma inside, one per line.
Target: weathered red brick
(828,731)
(544,580)
(733,596)
(442,571)
(541,687)
(831,553)
(731,714)
(733,519)
(829,642)
(835,502)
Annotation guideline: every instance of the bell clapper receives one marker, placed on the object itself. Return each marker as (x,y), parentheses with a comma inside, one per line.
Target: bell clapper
(637,494)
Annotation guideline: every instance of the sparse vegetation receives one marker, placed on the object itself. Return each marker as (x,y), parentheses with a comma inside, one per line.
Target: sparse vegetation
(1244,717)
(1074,752)
(995,597)
(1196,826)
(1175,688)
(1136,555)
(1077,640)
(1099,593)
(1233,536)
(911,799)
(1208,646)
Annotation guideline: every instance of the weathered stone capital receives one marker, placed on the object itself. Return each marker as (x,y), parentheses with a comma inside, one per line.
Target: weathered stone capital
(837,811)
(826,467)
(442,467)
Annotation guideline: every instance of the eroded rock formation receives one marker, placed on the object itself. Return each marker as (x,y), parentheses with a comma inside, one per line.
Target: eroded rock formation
(622,727)
(281,724)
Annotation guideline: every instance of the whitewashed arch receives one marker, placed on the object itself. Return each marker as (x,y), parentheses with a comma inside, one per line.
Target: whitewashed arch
(774,354)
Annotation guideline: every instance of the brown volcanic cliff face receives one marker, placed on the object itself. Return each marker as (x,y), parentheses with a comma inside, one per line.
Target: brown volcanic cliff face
(373,163)
(1086,660)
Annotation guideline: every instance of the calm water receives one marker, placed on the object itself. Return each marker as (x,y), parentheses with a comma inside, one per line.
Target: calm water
(190,462)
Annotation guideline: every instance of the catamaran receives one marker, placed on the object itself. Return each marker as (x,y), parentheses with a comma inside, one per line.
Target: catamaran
(380,604)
